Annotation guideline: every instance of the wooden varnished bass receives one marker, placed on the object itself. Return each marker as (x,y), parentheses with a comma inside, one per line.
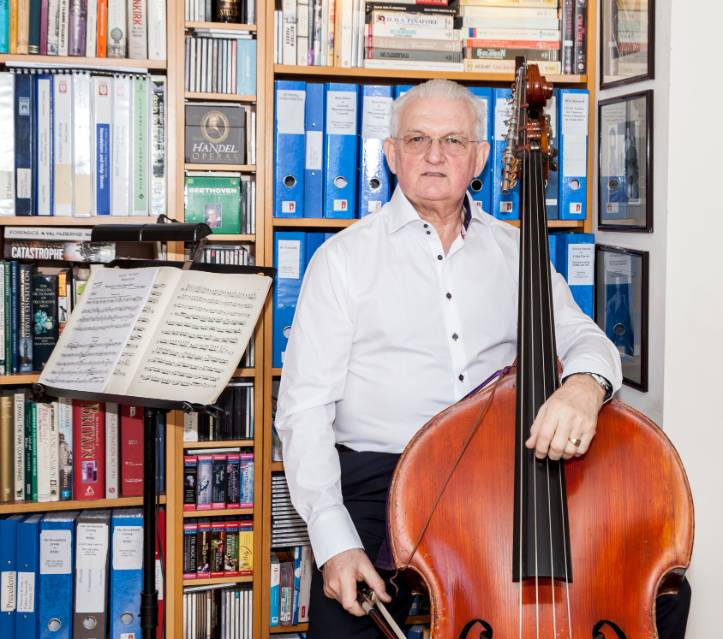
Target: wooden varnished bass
(511,546)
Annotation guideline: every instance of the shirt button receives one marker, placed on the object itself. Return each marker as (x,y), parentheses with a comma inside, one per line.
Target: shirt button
(426,226)
(461,377)
(429,232)
(455,337)
(449,296)
(439,257)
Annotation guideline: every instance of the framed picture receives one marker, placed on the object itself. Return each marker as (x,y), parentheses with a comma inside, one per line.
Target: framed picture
(625,163)
(621,308)
(627,41)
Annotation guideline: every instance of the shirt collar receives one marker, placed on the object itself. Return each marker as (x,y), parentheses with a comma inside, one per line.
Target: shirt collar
(402,212)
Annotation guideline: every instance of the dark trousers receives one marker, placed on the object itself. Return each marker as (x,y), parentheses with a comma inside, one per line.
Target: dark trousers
(365,480)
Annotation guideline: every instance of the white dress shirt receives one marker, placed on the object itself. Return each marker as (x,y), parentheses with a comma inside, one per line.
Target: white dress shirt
(388,332)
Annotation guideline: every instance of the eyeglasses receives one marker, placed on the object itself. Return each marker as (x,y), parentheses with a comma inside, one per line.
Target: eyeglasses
(452,145)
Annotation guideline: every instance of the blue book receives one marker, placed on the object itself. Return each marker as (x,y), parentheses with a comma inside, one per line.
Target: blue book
(481,185)
(375,178)
(289,256)
(289,148)
(576,263)
(504,206)
(552,188)
(28,556)
(340,150)
(24,143)
(246,67)
(126,573)
(4,26)
(8,573)
(552,245)
(314,155)
(55,599)
(573,117)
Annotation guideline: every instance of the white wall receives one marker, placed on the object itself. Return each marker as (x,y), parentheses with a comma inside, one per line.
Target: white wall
(686,275)
(693,361)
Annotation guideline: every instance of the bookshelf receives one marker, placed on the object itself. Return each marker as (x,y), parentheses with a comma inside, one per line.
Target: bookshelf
(262,373)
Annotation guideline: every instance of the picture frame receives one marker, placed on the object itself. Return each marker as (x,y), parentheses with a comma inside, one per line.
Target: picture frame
(621,307)
(625,163)
(627,42)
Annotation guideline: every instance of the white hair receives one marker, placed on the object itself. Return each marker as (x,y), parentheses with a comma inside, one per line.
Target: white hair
(439,88)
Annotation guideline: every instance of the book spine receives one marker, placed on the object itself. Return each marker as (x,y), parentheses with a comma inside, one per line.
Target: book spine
(4,26)
(6,449)
(31,451)
(44,132)
(34,16)
(158,145)
(25,319)
(218,542)
(204,482)
(53,27)
(89,450)
(64,301)
(112,451)
(580,45)
(91,27)
(157,29)
(77,18)
(102,114)
(65,448)
(411,19)
(189,482)
(44,27)
(567,28)
(47,447)
(137,30)
(23,31)
(117,29)
(14,316)
(45,314)
(13,28)
(24,141)
(414,55)
(7,144)
(101,36)
(131,451)
(19,445)
(139,158)
(63,26)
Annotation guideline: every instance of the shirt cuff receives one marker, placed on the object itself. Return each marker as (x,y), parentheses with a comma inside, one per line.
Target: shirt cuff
(331,532)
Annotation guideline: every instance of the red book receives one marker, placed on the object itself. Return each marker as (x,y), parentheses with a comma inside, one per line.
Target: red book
(131,451)
(161,569)
(89,453)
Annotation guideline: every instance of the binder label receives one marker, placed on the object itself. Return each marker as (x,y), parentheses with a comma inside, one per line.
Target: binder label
(314,150)
(289,255)
(341,113)
(377,117)
(26,592)
(574,131)
(92,550)
(128,548)
(24,184)
(290,111)
(581,264)
(55,546)
(7,598)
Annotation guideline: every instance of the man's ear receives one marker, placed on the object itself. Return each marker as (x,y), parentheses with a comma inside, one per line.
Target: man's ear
(390,151)
(483,152)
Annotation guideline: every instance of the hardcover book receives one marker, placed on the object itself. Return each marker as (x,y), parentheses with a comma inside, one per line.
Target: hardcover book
(215,134)
(215,201)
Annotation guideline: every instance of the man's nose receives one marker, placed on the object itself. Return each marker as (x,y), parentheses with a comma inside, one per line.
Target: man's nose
(434,152)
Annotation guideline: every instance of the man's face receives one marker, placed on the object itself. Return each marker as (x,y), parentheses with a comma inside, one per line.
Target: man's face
(435,177)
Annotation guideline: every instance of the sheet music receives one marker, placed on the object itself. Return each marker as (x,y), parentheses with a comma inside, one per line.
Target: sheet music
(202,337)
(92,342)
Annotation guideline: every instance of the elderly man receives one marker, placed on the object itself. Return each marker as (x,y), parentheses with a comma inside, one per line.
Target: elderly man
(400,316)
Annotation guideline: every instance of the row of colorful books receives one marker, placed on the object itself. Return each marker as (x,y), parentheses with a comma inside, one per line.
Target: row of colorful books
(76,574)
(72,449)
(470,35)
(236,419)
(291,571)
(225,201)
(222,62)
(238,11)
(329,159)
(218,547)
(96,28)
(79,144)
(218,478)
(218,612)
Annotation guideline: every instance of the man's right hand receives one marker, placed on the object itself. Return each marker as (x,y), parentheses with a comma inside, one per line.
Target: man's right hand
(341,574)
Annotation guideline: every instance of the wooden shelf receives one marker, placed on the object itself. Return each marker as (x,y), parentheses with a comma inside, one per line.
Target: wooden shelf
(218,97)
(241,168)
(76,504)
(218,580)
(277,466)
(24,378)
(221,443)
(35,220)
(415,619)
(556,224)
(312,222)
(218,513)
(299,627)
(126,64)
(218,237)
(276,372)
(225,26)
(244,372)
(409,74)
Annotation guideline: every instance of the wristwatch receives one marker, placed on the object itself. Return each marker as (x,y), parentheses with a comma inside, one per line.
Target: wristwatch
(604,384)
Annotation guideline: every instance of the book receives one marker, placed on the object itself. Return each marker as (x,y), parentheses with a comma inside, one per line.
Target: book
(215,201)
(157,332)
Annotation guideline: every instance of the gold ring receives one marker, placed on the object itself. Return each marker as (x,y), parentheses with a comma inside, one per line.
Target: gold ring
(575,442)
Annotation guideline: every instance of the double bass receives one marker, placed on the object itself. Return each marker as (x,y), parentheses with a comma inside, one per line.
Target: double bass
(512,546)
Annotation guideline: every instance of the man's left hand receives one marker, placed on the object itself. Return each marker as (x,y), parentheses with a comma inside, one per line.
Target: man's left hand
(570,413)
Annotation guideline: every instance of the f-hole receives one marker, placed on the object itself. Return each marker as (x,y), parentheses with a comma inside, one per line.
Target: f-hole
(597,629)
(485,633)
